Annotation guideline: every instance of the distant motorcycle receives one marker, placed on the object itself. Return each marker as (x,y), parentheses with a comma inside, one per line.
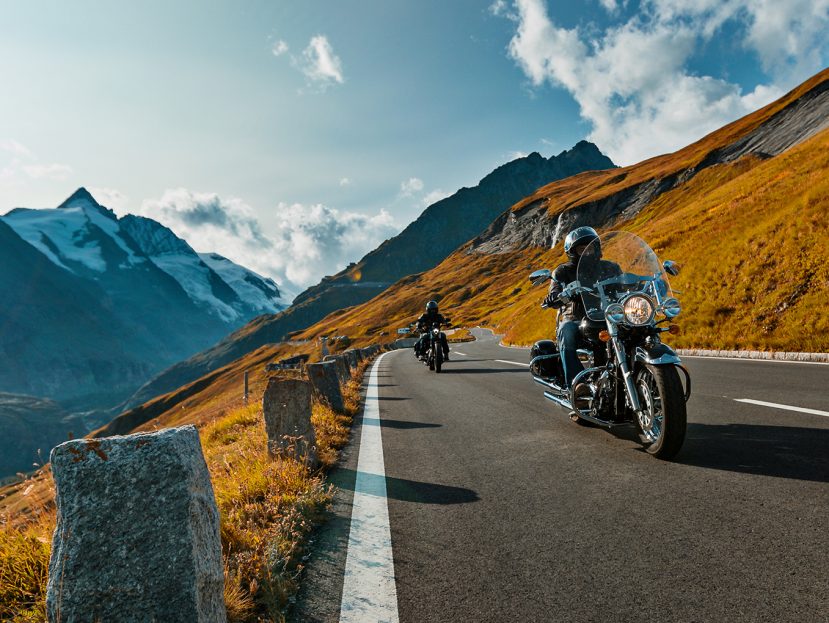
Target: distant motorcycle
(432,352)
(631,377)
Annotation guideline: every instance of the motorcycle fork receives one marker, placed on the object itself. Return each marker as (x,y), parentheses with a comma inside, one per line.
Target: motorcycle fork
(624,368)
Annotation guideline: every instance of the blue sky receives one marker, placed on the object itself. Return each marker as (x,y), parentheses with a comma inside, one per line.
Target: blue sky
(321,128)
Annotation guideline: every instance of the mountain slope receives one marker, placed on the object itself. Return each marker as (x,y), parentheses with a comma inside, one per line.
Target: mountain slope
(58,335)
(745,210)
(441,228)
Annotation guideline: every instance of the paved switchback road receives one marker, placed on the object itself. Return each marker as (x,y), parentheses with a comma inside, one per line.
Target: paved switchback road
(501,509)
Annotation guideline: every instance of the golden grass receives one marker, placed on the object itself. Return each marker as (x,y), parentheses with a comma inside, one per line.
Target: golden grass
(751,237)
(268,507)
(460,335)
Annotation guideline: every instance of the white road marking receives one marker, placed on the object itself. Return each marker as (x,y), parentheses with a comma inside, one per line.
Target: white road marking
(808,363)
(515,363)
(457,352)
(785,407)
(369,590)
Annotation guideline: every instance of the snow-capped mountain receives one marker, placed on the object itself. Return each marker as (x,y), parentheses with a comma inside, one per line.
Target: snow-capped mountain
(261,293)
(116,300)
(80,235)
(232,292)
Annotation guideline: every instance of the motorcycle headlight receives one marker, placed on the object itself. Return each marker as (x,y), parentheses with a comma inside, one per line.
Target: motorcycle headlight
(671,307)
(615,313)
(638,310)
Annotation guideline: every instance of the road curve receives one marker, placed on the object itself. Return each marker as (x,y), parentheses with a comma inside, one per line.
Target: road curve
(501,509)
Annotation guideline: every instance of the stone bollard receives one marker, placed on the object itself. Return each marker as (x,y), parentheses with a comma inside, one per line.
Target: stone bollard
(325,380)
(343,370)
(287,408)
(137,537)
(351,357)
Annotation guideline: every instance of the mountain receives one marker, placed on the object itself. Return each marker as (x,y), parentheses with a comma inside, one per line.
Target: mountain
(438,231)
(58,334)
(103,303)
(745,210)
(231,292)
(31,427)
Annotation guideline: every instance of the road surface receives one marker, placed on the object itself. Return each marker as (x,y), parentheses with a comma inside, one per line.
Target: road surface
(498,508)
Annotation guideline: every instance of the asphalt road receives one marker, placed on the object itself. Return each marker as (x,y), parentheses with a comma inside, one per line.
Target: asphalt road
(501,509)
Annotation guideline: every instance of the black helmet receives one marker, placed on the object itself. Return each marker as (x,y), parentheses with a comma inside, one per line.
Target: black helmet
(579,236)
(432,305)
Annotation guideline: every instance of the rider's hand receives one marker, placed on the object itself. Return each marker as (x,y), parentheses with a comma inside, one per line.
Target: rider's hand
(550,300)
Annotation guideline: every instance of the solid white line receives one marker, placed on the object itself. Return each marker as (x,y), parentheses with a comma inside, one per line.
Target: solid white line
(515,363)
(369,591)
(786,407)
(808,363)
(457,352)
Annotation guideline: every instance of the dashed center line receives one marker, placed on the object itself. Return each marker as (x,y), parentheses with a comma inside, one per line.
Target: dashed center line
(776,405)
(515,363)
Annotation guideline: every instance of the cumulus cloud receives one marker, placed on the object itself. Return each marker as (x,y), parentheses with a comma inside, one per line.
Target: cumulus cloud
(631,79)
(19,165)
(306,242)
(110,198)
(320,64)
(279,48)
(344,181)
(411,186)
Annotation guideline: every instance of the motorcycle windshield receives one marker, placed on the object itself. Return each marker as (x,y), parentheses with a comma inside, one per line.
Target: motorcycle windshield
(615,265)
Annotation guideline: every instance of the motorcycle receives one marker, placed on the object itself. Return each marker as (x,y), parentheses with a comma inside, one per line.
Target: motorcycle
(432,354)
(631,377)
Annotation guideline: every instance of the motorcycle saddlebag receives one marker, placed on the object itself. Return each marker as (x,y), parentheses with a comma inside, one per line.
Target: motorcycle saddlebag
(546,367)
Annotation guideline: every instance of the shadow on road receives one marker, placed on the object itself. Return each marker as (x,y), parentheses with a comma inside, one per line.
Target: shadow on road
(393,398)
(780,451)
(401,424)
(481,370)
(405,490)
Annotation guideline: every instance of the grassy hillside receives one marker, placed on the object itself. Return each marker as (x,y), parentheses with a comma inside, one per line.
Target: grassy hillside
(751,236)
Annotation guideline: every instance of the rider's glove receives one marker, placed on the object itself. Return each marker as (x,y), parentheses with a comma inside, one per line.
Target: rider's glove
(551,300)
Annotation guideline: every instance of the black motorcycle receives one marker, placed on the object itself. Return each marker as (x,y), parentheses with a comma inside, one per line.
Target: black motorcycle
(631,377)
(431,347)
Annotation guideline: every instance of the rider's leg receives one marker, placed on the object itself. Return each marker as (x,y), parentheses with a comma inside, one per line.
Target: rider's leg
(568,342)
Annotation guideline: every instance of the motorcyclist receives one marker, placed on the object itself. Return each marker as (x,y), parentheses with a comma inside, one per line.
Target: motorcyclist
(424,323)
(584,251)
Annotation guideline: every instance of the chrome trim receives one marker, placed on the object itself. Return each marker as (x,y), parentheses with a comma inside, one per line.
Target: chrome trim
(623,301)
(561,402)
(543,357)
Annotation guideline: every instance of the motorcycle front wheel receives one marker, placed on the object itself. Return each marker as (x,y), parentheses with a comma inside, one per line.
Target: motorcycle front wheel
(663,419)
(438,361)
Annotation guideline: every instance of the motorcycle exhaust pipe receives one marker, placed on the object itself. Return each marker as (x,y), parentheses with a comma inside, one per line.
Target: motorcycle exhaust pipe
(561,402)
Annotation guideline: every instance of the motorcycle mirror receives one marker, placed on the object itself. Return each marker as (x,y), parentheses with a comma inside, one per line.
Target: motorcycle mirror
(540,276)
(671,267)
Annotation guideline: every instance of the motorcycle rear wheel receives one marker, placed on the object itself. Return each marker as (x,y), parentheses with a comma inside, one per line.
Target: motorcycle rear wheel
(662,428)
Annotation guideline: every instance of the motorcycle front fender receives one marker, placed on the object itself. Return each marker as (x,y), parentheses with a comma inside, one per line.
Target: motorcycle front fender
(656,355)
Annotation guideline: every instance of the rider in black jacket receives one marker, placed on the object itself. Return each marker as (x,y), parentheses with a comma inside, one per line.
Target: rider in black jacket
(424,323)
(591,268)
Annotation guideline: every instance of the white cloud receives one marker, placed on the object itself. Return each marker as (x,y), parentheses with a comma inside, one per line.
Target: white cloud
(53,171)
(344,181)
(279,48)
(15,148)
(110,198)
(307,241)
(515,155)
(411,186)
(611,6)
(433,197)
(631,79)
(19,165)
(320,64)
